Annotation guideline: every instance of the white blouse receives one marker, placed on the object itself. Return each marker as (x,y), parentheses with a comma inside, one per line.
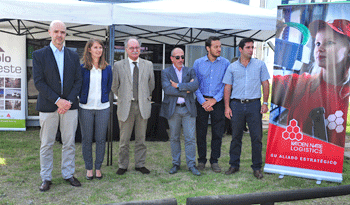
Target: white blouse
(94,96)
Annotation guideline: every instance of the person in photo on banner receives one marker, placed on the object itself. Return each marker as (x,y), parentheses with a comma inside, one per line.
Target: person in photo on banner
(57,77)
(133,83)
(94,104)
(178,107)
(319,102)
(243,81)
(210,71)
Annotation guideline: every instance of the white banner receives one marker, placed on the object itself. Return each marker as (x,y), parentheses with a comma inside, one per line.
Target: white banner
(12,82)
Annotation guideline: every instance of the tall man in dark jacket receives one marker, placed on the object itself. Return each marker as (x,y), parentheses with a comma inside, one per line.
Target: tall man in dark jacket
(57,77)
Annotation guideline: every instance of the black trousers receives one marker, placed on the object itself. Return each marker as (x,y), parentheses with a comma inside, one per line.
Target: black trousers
(217,117)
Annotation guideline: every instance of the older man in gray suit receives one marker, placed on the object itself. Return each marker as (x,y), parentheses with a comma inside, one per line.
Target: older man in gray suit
(133,83)
(179,83)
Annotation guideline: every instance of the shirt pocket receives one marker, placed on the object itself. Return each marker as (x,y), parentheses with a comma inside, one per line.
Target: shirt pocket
(254,75)
(203,73)
(238,76)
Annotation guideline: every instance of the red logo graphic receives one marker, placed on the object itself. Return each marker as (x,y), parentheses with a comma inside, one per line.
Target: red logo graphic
(8,115)
(293,131)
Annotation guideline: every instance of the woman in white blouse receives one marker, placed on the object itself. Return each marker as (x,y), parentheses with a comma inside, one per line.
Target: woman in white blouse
(94,104)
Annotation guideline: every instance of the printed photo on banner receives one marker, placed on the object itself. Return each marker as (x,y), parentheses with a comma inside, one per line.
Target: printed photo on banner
(13,83)
(2,104)
(310,90)
(2,82)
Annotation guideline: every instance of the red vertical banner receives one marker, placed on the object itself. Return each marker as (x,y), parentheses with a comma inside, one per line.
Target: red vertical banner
(310,91)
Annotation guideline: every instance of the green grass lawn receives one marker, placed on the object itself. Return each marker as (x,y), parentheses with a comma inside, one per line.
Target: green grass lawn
(20,179)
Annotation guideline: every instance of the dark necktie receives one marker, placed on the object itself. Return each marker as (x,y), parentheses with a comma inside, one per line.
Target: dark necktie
(135,81)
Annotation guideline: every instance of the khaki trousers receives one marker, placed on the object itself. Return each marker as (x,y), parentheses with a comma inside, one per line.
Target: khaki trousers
(49,122)
(126,128)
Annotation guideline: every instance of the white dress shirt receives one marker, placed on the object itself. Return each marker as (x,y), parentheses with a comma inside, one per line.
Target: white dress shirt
(94,95)
(132,66)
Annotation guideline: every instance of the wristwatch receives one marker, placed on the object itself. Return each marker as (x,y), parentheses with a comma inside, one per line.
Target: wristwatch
(265,103)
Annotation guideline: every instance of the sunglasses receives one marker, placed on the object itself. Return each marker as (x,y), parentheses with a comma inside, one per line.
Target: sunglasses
(178,57)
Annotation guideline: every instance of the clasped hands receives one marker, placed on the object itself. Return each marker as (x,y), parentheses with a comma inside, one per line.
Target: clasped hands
(63,106)
(208,104)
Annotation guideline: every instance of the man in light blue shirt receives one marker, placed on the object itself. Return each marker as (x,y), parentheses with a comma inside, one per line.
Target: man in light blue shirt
(243,80)
(210,71)
(57,77)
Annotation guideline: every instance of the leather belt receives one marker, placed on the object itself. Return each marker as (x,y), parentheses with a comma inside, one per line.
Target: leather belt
(181,105)
(245,100)
(205,96)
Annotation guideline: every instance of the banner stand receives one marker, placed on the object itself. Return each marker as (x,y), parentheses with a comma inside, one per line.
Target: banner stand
(310,92)
(304,173)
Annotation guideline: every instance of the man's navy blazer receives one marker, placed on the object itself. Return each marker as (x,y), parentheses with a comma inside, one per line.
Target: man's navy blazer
(171,94)
(47,79)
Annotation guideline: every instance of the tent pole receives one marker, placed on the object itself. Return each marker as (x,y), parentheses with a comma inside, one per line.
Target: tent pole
(163,67)
(186,55)
(235,45)
(163,56)
(110,133)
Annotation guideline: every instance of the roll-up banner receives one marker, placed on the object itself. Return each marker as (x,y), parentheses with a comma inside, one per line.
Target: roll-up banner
(310,91)
(12,82)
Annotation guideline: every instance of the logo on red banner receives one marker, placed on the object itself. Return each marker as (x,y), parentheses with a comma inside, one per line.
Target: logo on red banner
(289,147)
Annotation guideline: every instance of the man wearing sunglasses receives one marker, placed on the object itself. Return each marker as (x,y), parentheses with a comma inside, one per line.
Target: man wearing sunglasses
(210,71)
(179,83)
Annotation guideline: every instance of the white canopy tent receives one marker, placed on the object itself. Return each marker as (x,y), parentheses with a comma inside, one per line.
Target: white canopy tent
(164,21)
(172,22)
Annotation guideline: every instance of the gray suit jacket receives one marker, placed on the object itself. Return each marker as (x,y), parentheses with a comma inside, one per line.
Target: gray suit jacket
(171,94)
(122,87)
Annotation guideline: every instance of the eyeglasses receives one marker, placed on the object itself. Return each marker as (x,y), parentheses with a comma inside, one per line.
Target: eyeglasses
(178,57)
(134,48)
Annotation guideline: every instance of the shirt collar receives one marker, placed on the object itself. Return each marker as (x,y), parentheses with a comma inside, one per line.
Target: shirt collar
(54,49)
(207,59)
(177,69)
(239,61)
(130,61)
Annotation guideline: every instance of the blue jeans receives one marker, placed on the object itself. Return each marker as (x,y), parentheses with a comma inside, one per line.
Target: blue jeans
(242,113)
(182,117)
(217,117)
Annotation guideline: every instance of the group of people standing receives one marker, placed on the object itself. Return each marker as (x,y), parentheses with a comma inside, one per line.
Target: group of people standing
(221,89)
(60,79)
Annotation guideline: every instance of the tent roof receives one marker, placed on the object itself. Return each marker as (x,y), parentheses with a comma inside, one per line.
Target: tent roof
(167,21)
